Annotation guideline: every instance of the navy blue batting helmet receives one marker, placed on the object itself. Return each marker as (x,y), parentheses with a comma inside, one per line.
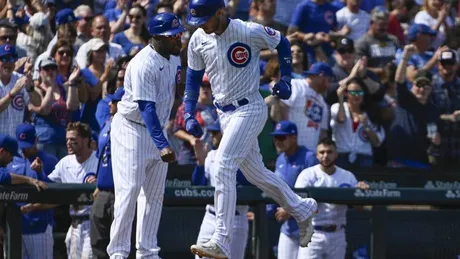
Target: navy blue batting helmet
(199,11)
(165,24)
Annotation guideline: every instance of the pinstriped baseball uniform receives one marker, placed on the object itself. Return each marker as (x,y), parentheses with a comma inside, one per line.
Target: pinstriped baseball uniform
(13,115)
(231,61)
(323,244)
(69,170)
(240,223)
(137,166)
(309,111)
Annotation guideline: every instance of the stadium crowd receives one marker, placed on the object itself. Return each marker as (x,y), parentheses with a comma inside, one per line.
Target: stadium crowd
(386,71)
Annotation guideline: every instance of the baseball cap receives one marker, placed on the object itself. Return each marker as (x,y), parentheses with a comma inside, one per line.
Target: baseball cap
(200,11)
(214,127)
(47,63)
(416,28)
(95,44)
(26,135)
(65,16)
(379,13)
(422,75)
(345,45)
(284,128)
(319,68)
(7,49)
(117,95)
(38,20)
(9,144)
(448,57)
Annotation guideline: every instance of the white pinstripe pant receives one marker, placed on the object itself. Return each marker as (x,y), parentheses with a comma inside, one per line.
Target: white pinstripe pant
(239,149)
(240,232)
(288,247)
(38,246)
(138,177)
(78,241)
(325,245)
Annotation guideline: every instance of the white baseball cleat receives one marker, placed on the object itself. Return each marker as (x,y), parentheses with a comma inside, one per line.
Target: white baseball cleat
(306,228)
(209,249)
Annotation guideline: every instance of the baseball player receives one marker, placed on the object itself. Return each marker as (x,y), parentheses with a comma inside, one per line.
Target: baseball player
(139,164)
(328,240)
(228,51)
(307,107)
(37,226)
(205,175)
(74,168)
(27,141)
(291,161)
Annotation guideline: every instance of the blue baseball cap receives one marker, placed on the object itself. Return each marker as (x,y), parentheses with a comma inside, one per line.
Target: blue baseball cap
(214,127)
(117,95)
(165,24)
(200,11)
(319,68)
(65,16)
(417,28)
(284,128)
(26,135)
(7,49)
(9,144)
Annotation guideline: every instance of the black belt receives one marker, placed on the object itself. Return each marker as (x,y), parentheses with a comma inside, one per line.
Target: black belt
(214,213)
(77,220)
(329,228)
(135,122)
(231,107)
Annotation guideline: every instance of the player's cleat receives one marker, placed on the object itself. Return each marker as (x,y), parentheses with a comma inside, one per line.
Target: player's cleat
(306,229)
(209,249)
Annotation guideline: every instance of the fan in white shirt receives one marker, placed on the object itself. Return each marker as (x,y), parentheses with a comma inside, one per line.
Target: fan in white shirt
(352,129)
(329,238)
(355,19)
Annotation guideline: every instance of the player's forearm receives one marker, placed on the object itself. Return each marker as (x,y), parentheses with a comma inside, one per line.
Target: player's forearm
(198,176)
(149,114)
(284,57)
(192,89)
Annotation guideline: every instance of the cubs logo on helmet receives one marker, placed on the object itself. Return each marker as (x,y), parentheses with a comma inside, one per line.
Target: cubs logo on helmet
(18,102)
(175,23)
(269,31)
(239,55)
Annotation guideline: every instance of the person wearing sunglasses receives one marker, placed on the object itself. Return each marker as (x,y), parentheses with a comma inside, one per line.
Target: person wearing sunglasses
(446,96)
(137,35)
(292,159)
(354,125)
(413,128)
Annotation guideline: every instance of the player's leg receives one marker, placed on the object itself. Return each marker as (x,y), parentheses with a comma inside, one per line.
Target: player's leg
(206,230)
(337,245)
(316,248)
(100,224)
(240,235)
(130,144)
(85,230)
(38,246)
(48,243)
(73,242)
(149,209)
(288,247)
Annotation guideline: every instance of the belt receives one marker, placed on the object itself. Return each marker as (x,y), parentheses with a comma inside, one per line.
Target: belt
(231,107)
(214,213)
(329,228)
(135,122)
(77,220)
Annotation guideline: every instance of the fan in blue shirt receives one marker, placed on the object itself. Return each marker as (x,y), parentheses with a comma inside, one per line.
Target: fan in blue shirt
(291,161)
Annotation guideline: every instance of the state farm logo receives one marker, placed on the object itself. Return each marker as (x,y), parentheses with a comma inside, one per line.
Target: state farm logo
(382,193)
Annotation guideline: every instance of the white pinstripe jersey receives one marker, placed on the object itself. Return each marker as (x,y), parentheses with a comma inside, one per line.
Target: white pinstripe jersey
(13,115)
(309,111)
(69,170)
(150,77)
(328,214)
(231,59)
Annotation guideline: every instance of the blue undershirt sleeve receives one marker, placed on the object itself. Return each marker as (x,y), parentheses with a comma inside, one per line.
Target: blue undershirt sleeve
(284,57)
(149,114)
(192,89)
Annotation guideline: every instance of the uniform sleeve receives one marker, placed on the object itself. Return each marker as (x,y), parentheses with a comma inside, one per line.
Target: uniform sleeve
(264,37)
(303,179)
(56,175)
(5,177)
(325,119)
(143,82)
(194,59)
(353,180)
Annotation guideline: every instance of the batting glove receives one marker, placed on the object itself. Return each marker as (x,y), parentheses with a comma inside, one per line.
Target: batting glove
(192,126)
(282,89)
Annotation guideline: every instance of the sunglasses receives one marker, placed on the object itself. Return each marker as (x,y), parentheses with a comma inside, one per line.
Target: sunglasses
(8,37)
(9,58)
(356,92)
(345,50)
(423,84)
(62,52)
